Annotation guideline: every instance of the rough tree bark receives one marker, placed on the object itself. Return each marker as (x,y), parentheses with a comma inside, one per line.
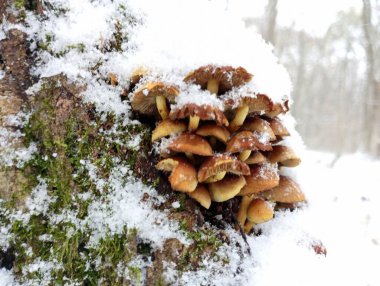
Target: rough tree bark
(372,88)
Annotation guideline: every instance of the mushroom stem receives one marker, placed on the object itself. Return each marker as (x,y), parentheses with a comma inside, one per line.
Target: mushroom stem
(244,155)
(248,226)
(242,213)
(193,122)
(216,177)
(190,156)
(213,86)
(162,107)
(241,114)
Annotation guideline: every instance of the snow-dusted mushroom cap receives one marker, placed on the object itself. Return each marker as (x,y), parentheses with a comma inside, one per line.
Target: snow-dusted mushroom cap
(259,211)
(183,175)
(138,74)
(287,191)
(226,189)
(256,102)
(204,112)
(284,156)
(256,158)
(221,163)
(277,127)
(246,140)
(262,177)
(168,127)
(226,77)
(202,196)
(211,129)
(259,125)
(278,108)
(191,143)
(151,98)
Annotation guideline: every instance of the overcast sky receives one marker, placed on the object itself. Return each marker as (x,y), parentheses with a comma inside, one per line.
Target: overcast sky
(312,16)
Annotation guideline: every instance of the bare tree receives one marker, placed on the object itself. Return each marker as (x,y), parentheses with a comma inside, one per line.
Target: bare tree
(269,25)
(372,88)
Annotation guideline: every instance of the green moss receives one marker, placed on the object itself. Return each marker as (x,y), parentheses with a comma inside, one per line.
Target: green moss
(73,139)
(20,4)
(206,243)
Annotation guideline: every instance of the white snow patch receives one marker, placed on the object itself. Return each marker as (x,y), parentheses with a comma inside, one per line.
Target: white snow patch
(123,207)
(39,200)
(7,278)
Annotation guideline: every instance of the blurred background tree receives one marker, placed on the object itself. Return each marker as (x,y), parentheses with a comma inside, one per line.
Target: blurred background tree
(336,75)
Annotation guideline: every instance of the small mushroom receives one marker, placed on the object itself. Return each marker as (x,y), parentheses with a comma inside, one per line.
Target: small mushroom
(287,191)
(241,216)
(214,131)
(112,79)
(226,189)
(218,80)
(259,211)
(245,142)
(278,108)
(191,144)
(256,158)
(260,126)
(152,97)
(250,103)
(262,177)
(218,164)
(196,112)
(277,127)
(168,127)
(202,196)
(284,156)
(183,177)
(138,74)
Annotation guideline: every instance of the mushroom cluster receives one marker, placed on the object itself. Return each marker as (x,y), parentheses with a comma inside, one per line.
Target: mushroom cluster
(216,152)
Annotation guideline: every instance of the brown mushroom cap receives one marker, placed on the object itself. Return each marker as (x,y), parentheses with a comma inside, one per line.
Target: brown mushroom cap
(284,156)
(278,108)
(287,191)
(204,112)
(259,125)
(259,211)
(246,140)
(138,74)
(210,129)
(227,77)
(168,127)
(258,103)
(144,99)
(202,196)
(183,175)
(263,177)
(191,143)
(277,127)
(221,163)
(256,158)
(226,189)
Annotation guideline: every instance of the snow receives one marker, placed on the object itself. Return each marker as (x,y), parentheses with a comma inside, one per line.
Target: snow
(39,200)
(11,153)
(193,94)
